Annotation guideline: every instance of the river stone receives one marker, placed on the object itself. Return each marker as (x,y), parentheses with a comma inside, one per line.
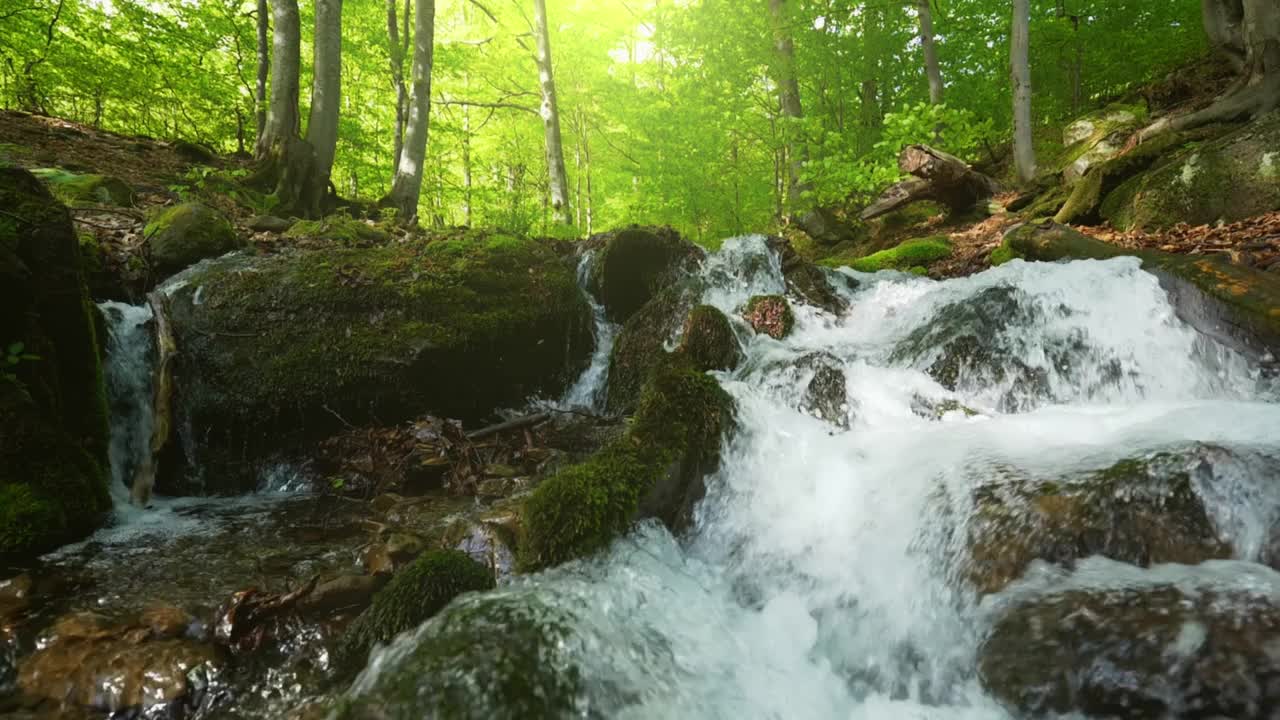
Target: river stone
(1227,179)
(826,393)
(497,656)
(53,442)
(770,315)
(270,223)
(634,264)
(708,340)
(1143,511)
(641,343)
(185,234)
(1200,645)
(281,351)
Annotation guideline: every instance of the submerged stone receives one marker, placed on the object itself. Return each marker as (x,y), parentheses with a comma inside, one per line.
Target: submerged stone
(826,393)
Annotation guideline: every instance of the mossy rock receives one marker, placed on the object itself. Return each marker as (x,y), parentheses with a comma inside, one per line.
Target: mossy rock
(826,394)
(274,350)
(74,189)
(53,450)
(1143,511)
(1237,305)
(922,252)
(770,315)
(508,655)
(338,228)
(632,265)
(413,596)
(1193,646)
(806,282)
(1098,137)
(1231,178)
(709,342)
(641,343)
(655,470)
(180,236)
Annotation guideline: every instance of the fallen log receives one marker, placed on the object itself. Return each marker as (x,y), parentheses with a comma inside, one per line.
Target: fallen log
(938,177)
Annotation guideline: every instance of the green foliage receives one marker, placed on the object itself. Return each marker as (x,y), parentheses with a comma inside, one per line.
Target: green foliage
(14,355)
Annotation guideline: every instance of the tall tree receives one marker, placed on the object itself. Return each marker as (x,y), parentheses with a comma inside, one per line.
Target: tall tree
(264,68)
(1247,34)
(558,177)
(407,185)
(1024,156)
(398,46)
(326,97)
(789,99)
(924,10)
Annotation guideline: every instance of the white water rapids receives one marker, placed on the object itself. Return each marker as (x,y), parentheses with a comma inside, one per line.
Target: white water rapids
(815,583)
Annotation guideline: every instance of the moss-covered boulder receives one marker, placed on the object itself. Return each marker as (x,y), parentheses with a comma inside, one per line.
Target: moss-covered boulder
(806,282)
(496,656)
(911,253)
(1143,511)
(1237,305)
(655,470)
(709,342)
(183,235)
(276,352)
(631,266)
(1098,137)
(770,315)
(53,445)
(1200,643)
(74,189)
(641,343)
(413,596)
(335,228)
(1227,179)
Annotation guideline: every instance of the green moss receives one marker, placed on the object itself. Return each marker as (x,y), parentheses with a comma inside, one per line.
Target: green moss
(414,595)
(74,189)
(1002,255)
(910,253)
(682,414)
(709,342)
(25,519)
(338,228)
(919,270)
(182,235)
(640,346)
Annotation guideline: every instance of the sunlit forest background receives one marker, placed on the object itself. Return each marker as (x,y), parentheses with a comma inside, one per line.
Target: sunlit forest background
(668,109)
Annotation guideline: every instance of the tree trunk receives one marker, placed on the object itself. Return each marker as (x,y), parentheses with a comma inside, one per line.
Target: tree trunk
(398,48)
(789,101)
(407,186)
(931,67)
(326,98)
(939,177)
(1024,157)
(1247,34)
(557,175)
(264,70)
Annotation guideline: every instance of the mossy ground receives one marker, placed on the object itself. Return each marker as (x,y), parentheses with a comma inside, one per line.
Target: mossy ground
(338,228)
(682,416)
(74,189)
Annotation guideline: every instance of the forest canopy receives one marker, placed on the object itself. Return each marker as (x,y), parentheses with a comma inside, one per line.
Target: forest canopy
(668,110)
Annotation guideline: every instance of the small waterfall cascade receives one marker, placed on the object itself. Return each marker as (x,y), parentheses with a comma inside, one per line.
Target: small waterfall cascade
(817,583)
(588,391)
(129,373)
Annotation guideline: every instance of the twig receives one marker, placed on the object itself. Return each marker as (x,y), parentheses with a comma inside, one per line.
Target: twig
(341,419)
(19,218)
(108,210)
(518,423)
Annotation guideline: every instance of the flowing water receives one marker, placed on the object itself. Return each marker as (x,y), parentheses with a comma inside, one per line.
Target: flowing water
(816,584)
(588,392)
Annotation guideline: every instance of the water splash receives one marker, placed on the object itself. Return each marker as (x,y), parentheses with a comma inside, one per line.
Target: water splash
(128,371)
(588,391)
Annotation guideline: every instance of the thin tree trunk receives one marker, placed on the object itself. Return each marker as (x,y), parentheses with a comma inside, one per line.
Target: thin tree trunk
(1023,153)
(264,70)
(586,155)
(398,48)
(931,67)
(558,179)
(789,100)
(326,97)
(407,186)
(467,174)
(282,112)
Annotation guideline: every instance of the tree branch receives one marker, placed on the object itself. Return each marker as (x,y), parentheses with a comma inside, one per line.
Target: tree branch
(493,105)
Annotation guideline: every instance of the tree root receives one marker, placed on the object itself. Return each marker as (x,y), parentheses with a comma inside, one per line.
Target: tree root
(1248,101)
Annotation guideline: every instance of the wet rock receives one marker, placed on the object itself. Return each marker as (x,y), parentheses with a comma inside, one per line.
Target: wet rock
(75,189)
(640,347)
(489,541)
(1144,511)
(15,597)
(53,448)
(1198,645)
(489,657)
(826,393)
(1231,178)
(85,661)
(633,265)
(770,315)
(168,622)
(386,556)
(413,595)
(270,223)
(185,234)
(708,340)
(343,593)
(278,352)
(807,283)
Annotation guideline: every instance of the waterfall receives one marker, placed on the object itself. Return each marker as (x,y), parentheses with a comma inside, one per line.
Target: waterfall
(817,581)
(588,391)
(128,370)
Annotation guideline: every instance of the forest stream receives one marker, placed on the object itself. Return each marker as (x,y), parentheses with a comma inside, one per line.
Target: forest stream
(820,577)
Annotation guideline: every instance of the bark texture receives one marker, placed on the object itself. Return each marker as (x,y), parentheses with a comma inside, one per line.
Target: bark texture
(924,9)
(1024,157)
(1247,34)
(286,45)
(939,177)
(398,47)
(407,186)
(550,112)
(264,69)
(326,98)
(789,99)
